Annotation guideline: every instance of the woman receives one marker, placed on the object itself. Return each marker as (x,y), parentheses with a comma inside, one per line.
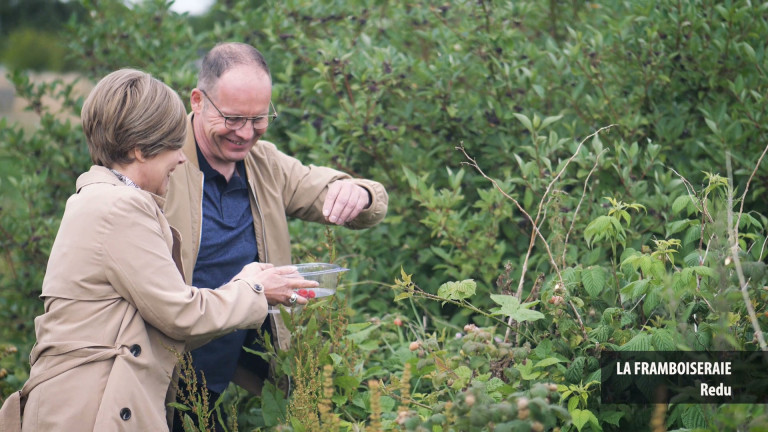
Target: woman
(117,311)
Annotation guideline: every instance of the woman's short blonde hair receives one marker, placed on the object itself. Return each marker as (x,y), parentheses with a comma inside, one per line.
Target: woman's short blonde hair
(130,109)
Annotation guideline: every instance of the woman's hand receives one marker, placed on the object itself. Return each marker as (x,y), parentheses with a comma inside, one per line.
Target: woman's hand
(279,282)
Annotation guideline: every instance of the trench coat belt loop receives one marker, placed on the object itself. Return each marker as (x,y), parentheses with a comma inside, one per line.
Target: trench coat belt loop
(10,412)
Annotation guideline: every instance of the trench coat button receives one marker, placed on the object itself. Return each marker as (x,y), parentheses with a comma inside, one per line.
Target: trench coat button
(136,350)
(125,414)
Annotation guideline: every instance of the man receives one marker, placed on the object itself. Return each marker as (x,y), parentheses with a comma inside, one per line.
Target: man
(231,200)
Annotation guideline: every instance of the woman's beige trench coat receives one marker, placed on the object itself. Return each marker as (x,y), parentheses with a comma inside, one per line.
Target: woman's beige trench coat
(116,309)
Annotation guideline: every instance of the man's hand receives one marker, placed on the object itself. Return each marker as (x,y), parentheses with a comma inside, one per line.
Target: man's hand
(345,200)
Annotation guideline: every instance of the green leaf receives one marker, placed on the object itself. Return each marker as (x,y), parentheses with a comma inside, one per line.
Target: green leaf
(712,126)
(675,227)
(346,382)
(611,417)
(549,120)
(526,371)
(273,405)
(525,121)
(593,278)
(511,307)
(680,203)
(640,342)
(359,333)
(693,417)
(403,296)
(604,228)
(547,362)
(581,417)
(704,271)
(457,290)
(662,340)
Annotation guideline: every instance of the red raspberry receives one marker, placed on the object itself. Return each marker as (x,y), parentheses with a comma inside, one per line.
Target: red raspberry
(312,293)
(302,292)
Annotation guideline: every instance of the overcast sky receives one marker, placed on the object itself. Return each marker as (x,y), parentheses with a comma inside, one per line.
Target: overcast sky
(194,7)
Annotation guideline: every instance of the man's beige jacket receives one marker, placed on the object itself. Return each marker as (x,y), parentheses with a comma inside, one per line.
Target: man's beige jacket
(280,187)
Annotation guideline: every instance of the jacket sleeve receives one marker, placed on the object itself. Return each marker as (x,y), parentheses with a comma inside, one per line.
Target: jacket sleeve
(139,266)
(304,188)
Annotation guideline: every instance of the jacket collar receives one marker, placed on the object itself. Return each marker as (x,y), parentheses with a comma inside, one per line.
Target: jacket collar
(102,175)
(97,174)
(190,147)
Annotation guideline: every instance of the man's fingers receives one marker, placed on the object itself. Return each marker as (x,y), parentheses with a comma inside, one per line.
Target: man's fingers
(348,201)
(330,198)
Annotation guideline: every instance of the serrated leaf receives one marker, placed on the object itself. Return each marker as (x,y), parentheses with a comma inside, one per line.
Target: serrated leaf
(593,279)
(640,342)
(494,384)
(511,307)
(575,371)
(693,417)
(547,362)
(601,333)
(611,417)
(681,203)
(662,340)
(651,301)
(457,290)
(675,227)
(581,417)
(403,296)
(603,227)
(704,271)
(273,405)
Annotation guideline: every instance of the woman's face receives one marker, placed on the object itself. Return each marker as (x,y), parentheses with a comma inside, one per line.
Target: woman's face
(155,172)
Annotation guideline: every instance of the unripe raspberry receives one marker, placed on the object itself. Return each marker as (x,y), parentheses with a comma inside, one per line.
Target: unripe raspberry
(414,346)
(522,403)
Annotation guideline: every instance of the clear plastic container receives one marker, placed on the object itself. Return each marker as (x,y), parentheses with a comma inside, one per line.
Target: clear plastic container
(326,275)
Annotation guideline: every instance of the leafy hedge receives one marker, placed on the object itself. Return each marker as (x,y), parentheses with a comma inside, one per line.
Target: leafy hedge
(565,178)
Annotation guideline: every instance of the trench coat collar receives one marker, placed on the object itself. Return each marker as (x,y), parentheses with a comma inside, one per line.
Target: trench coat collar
(99,174)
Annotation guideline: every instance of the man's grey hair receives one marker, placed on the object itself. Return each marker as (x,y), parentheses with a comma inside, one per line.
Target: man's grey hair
(225,56)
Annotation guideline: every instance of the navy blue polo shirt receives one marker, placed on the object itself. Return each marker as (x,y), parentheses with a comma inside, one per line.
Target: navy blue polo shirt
(227,243)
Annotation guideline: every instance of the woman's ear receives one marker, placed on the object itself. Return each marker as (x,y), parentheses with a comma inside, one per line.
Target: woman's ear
(138,155)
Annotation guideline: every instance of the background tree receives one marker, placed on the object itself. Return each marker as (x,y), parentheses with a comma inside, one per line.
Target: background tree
(558,188)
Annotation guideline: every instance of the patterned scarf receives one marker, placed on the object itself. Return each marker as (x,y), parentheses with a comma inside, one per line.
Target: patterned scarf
(124,179)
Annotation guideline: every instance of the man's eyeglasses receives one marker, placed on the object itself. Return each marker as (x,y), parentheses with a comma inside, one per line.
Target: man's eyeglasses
(236,122)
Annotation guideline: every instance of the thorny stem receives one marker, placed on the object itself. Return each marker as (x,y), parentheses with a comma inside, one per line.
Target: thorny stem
(734,241)
(689,187)
(746,188)
(583,195)
(414,289)
(534,223)
(409,400)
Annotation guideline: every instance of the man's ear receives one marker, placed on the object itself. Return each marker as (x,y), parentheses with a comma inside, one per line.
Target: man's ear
(196,100)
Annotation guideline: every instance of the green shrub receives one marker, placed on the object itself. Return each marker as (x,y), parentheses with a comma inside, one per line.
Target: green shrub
(564,177)
(32,49)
